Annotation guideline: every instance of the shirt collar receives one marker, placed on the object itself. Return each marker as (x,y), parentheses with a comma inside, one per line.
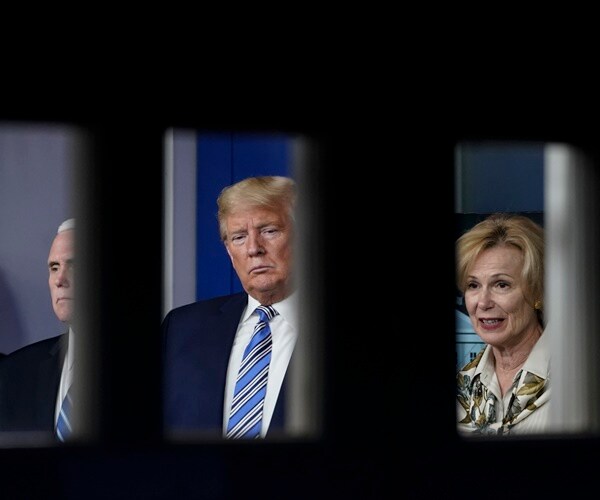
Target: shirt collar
(286,308)
(70,349)
(538,361)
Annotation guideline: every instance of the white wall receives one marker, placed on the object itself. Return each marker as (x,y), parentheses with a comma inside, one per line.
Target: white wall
(36,170)
(179,273)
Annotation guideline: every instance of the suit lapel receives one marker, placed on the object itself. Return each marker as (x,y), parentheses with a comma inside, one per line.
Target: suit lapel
(48,381)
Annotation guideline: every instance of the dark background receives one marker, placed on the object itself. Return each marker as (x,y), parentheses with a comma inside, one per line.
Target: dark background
(385,188)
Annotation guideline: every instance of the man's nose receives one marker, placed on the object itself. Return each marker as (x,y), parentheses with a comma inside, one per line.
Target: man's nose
(255,246)
(61,278)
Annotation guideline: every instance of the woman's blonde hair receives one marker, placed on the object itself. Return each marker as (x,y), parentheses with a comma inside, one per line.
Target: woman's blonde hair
(515,230)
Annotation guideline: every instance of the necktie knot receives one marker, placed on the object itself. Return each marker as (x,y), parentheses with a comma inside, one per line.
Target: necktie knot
(266,313)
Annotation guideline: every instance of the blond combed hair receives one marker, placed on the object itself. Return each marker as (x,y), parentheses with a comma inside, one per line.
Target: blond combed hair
(274,192)
(500,229)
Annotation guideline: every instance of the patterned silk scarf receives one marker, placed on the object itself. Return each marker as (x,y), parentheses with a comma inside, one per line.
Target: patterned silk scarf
(529,392)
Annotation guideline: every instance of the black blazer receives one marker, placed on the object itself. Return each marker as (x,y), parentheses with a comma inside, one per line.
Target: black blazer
(198,338)
(29,380)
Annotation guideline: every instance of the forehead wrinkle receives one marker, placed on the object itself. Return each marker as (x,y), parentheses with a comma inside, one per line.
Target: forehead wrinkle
(241,222)
(494,275)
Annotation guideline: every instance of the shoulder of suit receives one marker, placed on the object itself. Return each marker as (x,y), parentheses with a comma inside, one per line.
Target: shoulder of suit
(215,304)
(44,347)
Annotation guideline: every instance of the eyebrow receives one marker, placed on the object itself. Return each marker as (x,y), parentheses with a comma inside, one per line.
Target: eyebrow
(57,263)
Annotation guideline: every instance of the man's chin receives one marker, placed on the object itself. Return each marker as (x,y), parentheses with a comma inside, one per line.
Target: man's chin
(262,282)
(64,315)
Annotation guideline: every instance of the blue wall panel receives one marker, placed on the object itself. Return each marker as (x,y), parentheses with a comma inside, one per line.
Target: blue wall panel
(223,159)
(502,177)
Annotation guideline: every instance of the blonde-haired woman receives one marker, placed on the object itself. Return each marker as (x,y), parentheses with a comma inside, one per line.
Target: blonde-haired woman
(500,270)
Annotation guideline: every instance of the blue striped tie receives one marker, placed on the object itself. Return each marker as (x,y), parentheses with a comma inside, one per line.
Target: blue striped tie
(245,420)
(63,423)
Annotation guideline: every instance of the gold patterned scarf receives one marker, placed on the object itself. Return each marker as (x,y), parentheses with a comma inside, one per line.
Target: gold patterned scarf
(529,392)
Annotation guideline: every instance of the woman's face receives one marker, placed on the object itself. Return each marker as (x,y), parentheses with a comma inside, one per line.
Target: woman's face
(495,298)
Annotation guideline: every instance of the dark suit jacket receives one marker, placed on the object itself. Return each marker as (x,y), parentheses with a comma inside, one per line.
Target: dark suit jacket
(29,380)
(198,338)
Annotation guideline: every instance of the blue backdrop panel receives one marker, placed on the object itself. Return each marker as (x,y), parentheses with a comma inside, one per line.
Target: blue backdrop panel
(505,178)
(223,159)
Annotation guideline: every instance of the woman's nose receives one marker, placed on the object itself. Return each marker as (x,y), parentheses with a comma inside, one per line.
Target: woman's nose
(485,299)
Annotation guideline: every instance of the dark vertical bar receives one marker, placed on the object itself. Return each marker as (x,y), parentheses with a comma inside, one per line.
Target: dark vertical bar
(120,234)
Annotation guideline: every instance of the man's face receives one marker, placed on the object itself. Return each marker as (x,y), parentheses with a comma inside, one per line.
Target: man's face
(259,243)
(61,267)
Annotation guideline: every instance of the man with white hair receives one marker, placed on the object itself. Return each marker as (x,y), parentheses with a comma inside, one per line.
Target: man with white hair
(34,379)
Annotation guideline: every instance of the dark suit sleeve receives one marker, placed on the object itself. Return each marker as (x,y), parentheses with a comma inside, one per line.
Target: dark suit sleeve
(29,379)
(197,340)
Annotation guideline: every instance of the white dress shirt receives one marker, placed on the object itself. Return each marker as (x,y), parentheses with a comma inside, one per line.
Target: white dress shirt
(284,331)
(66,376)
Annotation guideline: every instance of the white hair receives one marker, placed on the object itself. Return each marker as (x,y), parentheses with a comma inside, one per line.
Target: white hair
(66,225)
